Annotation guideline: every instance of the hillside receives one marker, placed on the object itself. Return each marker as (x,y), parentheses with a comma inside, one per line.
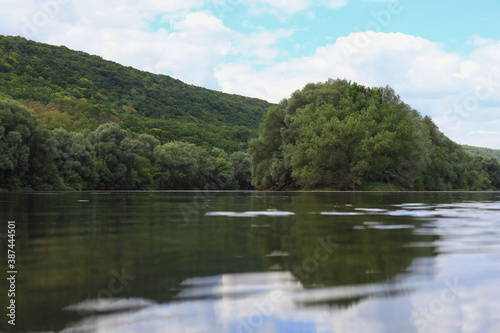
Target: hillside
(344,136)
(75,90)
(483,152)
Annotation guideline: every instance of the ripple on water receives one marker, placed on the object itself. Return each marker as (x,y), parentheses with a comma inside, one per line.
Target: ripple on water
(269,212)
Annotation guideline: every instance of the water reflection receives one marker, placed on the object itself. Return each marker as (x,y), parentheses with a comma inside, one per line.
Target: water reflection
(277,302)
(244,262)
(251,302)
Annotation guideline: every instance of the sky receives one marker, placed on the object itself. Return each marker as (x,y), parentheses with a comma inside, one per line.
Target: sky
(441,57)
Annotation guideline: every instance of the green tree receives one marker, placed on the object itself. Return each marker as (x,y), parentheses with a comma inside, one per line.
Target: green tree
(75,159)
(268,166)
(16,128)
(340,135)
(183,166)
(26,150)
(224,173)
(115,156)
(242,169)
(144,173)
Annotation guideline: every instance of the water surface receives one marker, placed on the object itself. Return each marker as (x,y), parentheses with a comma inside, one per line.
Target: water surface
(254,262)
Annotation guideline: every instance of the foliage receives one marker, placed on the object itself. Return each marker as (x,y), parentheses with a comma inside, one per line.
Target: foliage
(483,152)
(183,165)
(83,123)
(74,90)
(26,150)
(242,169)
(107,158)
(340,135)
(75,159)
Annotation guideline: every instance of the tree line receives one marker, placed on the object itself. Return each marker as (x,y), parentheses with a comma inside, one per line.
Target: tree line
(109,157)
(345,136)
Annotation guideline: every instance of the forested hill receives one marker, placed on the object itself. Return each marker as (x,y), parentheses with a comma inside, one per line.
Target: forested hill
(483,152)
(341,135)
(73,90)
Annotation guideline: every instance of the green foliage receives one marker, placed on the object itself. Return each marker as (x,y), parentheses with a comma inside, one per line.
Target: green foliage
(483,152)
(74,90)
(224,170)
(268,166)
(75,159)
(183,166)
(340,135)
(26,150)
(15,134)
(107,158)
(89,123)
(114,150)
(242,169)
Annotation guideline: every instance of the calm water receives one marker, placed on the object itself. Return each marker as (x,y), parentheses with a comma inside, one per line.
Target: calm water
(253,262)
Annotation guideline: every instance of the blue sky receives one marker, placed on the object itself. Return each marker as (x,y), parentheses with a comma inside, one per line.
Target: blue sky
(442,57)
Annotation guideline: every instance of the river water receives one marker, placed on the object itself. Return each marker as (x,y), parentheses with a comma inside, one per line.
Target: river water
(253,262)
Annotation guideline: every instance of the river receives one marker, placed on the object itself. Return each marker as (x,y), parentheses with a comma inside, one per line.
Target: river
(253,261)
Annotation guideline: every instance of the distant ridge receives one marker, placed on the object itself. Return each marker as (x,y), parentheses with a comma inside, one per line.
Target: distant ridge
(484,152)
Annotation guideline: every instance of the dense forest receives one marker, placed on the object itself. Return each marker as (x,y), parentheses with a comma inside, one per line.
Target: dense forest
(69,120)
(74,90)
(107,158)
(344,136)
(484,152)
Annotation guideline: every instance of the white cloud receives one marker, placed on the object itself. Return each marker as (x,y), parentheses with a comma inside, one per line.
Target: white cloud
(405,62)
(484,132)
(335,3)
(461,93)
(277,7)
(260,47)
(289,7)
(189,51)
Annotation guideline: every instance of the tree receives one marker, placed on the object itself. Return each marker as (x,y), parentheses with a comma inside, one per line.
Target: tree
(115,156)
(75,159)
(16,127)
(26,149)
(340,135)
(183,166)
(223,175)
(144,172)
(268,165)
(242,169)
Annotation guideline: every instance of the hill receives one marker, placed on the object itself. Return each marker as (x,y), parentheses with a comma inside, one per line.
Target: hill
(483,152)
(345,136)
(75,90)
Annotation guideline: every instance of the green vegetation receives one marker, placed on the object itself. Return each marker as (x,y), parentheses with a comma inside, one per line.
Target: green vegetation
(107,158)
(70,120)
(341,135)
(483,152)
(76,91)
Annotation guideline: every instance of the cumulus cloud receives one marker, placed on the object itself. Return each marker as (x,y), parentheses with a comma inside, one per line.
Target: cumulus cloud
(460,92)
(179,38)
(189,51)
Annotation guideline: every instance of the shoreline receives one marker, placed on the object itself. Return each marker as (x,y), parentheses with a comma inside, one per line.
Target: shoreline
(233,191)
